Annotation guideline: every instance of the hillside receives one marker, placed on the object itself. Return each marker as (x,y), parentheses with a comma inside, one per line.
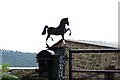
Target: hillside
(18,59)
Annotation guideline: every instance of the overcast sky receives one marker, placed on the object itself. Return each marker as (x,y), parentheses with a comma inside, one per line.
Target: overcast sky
(22,21)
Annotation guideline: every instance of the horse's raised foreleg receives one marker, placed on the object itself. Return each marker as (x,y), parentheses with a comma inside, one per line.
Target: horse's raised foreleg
(67,30)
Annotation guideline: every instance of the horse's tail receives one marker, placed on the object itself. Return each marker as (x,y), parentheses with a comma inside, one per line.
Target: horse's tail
(44,30)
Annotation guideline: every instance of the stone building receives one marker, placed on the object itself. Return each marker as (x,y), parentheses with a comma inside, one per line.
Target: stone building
(94,61)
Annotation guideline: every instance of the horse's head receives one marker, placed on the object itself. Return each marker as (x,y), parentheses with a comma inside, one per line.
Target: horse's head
(65,21)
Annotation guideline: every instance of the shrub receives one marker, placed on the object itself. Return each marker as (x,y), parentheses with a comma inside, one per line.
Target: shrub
(5,74)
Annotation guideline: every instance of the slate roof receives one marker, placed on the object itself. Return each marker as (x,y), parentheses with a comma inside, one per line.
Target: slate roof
(98,43)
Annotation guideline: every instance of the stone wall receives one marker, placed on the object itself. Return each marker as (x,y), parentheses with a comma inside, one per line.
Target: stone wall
(94,61)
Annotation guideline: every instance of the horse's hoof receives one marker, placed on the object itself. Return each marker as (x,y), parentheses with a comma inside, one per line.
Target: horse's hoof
(47,46)
(70,34)
(52,40)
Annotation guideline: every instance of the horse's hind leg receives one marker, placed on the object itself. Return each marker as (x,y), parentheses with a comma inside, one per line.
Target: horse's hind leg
(62,37)
(46,40)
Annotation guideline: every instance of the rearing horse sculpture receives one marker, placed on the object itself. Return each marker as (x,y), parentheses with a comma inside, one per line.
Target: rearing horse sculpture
(60,30)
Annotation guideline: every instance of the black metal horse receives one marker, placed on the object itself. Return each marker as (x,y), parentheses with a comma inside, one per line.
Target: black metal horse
(60,30)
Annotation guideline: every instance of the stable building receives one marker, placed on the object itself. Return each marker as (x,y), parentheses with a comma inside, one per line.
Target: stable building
(94,61)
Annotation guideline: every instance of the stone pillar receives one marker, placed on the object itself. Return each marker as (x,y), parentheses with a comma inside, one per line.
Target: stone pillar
(62,52)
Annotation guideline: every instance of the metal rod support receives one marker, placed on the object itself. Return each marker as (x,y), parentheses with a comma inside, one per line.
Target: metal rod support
(93,50)
(97,71)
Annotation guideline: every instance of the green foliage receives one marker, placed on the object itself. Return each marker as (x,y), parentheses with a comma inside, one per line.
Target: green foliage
(4,75)
(7,76)
(5,67)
